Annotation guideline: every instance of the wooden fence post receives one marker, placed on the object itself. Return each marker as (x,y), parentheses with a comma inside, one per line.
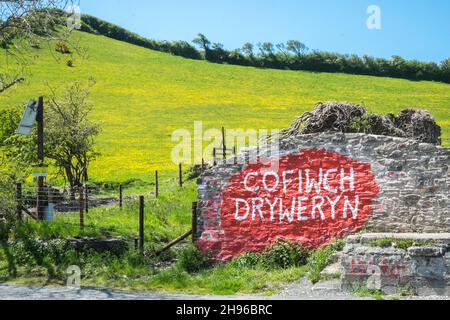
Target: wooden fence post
(180,173)
(257,153)
(81,208)
(19,200)
(49,197)
(156,184)
(40,203)
(194,221)
(120,196)
(224,150)
(86,199)
(141,224)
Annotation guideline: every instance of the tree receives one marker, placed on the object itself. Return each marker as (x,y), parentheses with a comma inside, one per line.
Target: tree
(25,23)
(69,141)
(203,43)
(217,53)
(70,135)
(296,47)
(445,70)
(7,207)
(247,49)
(284,52)
(267,49)
(182,48)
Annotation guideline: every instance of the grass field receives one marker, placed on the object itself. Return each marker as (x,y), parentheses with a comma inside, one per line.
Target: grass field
(142,96)
(35,262)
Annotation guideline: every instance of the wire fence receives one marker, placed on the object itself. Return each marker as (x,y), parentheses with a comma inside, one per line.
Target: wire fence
(42,202)
(64,200)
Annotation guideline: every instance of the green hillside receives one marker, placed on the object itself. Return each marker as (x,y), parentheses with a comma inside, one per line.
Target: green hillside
(142,96)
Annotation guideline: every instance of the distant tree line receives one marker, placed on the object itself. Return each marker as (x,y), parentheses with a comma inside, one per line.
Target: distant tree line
(179,48)
(292,55)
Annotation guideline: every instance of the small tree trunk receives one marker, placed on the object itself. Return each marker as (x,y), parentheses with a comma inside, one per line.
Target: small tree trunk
(72,193)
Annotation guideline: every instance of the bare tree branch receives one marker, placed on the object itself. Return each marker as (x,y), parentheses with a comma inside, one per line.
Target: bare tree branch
(25,23)
(5,87)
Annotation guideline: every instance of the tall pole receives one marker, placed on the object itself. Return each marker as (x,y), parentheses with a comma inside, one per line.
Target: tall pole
(120,196)
(180,175)
(224,145)
(40,158)
(156,184)
(19,200)
(141,224)
(194,221)
(86,198)
(86,189)
(81,208)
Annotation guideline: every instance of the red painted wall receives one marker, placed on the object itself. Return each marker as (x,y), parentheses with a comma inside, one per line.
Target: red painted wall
(311,198)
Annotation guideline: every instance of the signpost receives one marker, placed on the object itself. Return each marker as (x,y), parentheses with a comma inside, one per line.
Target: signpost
(28,118)
(40,142)
(34,112)
(40,171)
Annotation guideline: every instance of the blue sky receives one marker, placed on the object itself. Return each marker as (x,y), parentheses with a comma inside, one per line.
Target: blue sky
(413,29)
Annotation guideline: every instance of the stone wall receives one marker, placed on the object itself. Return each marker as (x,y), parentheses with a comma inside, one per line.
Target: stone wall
(348,182)
(416,264)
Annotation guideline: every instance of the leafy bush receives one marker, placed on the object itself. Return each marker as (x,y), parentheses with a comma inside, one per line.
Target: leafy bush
(248,260)
(192,260)
(338,245)
(322,258)
(34,251)
(284,254)
(70,63)
(97,26)
(7,205)
(62,47)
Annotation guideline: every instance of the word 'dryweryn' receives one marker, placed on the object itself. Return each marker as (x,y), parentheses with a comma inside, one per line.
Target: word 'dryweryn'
(299,195)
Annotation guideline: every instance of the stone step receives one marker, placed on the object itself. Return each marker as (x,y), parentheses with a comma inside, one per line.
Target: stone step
(332,271)
(328,286)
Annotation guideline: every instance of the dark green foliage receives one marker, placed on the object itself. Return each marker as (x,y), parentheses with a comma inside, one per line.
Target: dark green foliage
(31,253)
(196,171)
(285,254)
(248,260)
(9,121)
(293,55)
(281,255)
(403,244)
(7,204)
(192,260)
(97,26)
(322,258)
(69,63)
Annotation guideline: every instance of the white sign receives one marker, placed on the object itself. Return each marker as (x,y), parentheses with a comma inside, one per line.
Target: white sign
(28,119)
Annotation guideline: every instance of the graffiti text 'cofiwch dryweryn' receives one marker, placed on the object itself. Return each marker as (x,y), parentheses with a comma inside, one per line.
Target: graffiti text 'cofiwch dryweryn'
(308,203)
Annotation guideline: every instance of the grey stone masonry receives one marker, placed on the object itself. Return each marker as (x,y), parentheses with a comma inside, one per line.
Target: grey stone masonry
(413,177)
(416,264)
